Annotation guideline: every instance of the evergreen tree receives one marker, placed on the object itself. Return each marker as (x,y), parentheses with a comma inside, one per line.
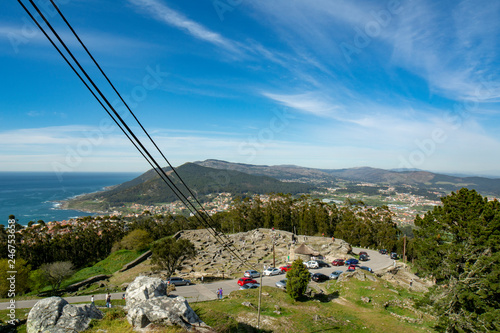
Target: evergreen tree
(458,245)
(297,279)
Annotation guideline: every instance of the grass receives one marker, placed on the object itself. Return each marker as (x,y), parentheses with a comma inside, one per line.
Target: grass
(108,266)
(338,308)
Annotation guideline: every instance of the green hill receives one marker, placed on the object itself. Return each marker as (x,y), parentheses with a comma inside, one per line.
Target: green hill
(148,188)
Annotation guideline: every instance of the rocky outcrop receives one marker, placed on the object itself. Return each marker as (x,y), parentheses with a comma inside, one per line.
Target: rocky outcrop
(56,315)
(148,305)
(255,246)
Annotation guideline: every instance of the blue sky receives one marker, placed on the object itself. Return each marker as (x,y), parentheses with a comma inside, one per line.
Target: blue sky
(325,84)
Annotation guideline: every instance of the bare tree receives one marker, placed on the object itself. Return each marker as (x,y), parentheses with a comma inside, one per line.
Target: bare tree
(56,272)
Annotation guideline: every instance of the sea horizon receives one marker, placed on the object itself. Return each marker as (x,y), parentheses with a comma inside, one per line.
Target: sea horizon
(33,196)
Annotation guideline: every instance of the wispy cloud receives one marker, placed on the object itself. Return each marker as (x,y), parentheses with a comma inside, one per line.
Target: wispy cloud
(165,14)
(22,37)
(309,103)
(454,53)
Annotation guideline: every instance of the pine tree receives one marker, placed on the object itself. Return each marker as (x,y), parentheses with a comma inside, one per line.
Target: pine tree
(458,245)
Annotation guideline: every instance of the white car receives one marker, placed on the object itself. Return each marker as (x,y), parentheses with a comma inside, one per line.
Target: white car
(271,271)
(312,264)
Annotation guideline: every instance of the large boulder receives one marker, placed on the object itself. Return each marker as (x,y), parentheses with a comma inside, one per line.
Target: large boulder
(148,305)
(144,288)
(56,315)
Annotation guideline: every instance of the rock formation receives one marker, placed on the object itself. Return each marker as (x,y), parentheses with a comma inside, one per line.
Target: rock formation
(148,306)
(256,247)
(56,315)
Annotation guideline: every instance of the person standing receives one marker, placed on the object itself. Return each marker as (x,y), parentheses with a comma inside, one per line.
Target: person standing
(92,300)
(220,293)
(108,300)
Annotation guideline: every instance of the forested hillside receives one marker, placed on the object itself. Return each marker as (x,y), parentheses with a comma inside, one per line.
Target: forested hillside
(150,189)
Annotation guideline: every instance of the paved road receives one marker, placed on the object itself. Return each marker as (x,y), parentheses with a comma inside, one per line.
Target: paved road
(208,291)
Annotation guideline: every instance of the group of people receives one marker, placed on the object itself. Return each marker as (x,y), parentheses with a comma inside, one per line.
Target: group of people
(108,300)
(219,293)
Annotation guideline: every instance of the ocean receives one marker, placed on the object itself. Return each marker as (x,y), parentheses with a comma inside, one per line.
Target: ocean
(31,196)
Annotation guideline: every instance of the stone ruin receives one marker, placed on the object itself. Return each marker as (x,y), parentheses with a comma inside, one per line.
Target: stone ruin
(255,246)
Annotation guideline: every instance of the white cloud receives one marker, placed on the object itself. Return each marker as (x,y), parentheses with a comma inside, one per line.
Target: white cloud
(173,18)
(454,53)
(311,103)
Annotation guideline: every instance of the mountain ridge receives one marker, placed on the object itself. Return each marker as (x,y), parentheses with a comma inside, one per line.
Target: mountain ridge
(420,178)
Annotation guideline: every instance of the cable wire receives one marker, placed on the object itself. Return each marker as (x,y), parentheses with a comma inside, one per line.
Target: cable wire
(129,109)
(200,216)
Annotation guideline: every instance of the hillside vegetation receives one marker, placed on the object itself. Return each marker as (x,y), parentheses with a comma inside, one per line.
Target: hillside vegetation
(150,189)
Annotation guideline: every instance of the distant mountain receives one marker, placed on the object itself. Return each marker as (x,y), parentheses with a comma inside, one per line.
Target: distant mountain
(417,178)
(148,188)
(281,172)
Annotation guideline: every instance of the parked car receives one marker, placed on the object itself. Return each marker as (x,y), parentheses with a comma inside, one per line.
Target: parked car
(394,255)
(285,268)
(363,253)
(271,271)
(245,280)
(366,268)
(351,261)
(363,257)
(281,284)
(321,263)
(335,275)
(251,274)
(338,262)
(351,268)
(382,251)
(177,281)
(249,286)
(312,264)
(318,277)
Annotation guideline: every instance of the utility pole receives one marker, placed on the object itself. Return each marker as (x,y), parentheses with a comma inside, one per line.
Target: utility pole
(404,249)
(260,296)
(273,238)
(274,256)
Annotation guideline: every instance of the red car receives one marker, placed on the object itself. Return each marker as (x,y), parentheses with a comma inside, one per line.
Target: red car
(351,268)
(245,280)
(338,262)
(286,268)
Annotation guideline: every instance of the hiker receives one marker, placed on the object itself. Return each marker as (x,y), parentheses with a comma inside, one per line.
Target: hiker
(108,300)
(411,282)
(92,300)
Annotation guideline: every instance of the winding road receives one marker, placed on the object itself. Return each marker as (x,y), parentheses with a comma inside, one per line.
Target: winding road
(208,291)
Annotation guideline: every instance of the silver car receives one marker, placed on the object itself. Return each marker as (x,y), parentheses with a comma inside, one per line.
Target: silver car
(177,281)
(272,271)
(281,284)
(249,286)
(251,274)
(335,275)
